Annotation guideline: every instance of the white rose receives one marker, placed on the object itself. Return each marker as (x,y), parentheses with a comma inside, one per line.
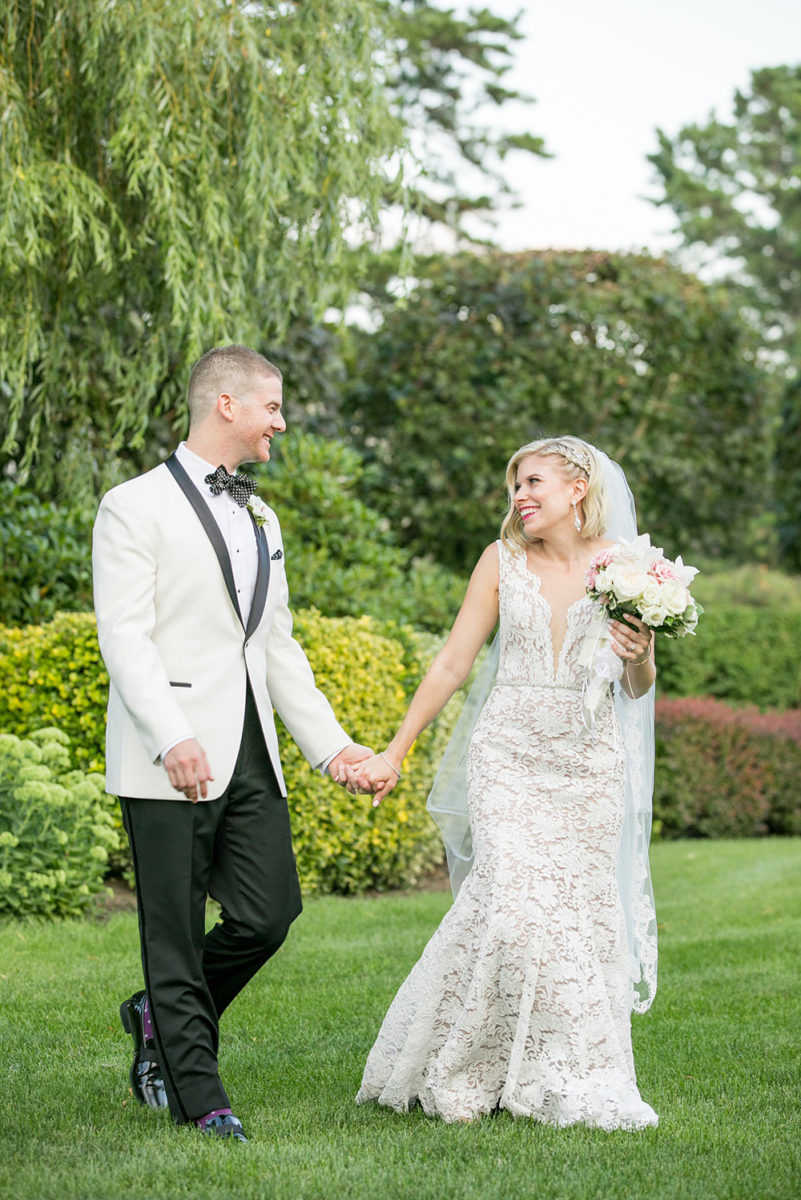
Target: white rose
(652,593)
(603,582)
(654,615)
(260,511)
(629,581)
(674,598)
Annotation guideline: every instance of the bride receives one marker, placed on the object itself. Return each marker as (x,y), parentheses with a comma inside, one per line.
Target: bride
(522,998)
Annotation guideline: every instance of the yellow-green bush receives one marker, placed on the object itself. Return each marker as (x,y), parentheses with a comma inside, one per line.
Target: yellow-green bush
(342,843)
(53,675)
(55,830)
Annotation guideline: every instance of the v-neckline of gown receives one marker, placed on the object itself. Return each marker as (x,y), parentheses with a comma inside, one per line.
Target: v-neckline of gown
(556,658)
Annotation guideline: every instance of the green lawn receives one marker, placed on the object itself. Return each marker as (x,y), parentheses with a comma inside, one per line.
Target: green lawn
(718,1057)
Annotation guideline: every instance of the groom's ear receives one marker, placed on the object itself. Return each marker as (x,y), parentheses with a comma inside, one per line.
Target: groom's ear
(225,406)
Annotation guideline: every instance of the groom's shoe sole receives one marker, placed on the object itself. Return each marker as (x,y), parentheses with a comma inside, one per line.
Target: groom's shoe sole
(147,1085)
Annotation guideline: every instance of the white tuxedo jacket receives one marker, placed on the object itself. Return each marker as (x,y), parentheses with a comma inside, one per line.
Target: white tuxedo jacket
(173,642)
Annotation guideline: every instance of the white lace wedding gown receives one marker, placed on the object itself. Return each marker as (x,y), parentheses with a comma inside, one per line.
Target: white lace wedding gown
(522,998)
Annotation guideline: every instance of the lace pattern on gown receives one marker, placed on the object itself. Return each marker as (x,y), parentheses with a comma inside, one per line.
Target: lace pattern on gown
(521,999)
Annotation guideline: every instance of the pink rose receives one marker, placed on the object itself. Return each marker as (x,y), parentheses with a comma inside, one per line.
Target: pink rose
(663,570)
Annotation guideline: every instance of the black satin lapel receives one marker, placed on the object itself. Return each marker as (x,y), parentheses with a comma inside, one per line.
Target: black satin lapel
(209,524)
(262,581)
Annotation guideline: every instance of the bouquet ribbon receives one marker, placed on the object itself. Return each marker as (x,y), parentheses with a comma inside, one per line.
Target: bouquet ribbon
(602,667)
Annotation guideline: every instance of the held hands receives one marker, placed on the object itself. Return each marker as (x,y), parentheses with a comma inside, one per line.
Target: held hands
(342,768)
(377,775)
(359,770)
(631,641)
(188,769)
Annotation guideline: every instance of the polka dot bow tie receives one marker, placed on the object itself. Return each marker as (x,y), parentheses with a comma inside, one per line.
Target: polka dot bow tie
(239,487)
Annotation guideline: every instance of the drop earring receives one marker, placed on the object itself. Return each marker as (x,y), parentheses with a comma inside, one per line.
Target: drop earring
(576,518)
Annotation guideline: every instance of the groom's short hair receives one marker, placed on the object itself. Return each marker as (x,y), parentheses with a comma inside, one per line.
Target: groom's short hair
(231,369)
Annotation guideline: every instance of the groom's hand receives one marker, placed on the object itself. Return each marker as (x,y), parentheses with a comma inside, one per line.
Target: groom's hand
(188,769)
(341,766)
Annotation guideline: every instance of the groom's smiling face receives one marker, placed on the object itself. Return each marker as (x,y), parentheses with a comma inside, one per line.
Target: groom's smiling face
(259,418)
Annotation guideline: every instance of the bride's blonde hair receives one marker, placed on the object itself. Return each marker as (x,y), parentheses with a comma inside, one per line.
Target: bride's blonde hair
(577,460)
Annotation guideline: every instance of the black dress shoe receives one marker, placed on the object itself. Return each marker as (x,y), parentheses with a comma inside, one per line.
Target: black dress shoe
(147,1085)
(228,1126)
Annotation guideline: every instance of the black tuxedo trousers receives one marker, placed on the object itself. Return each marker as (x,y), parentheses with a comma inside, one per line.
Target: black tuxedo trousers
(237,849)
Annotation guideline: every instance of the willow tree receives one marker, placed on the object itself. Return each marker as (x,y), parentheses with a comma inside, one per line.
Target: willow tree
(171,176)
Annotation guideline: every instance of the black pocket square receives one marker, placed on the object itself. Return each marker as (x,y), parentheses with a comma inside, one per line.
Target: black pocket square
(278,554)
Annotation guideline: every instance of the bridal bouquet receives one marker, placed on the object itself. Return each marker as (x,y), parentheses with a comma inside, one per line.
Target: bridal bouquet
(633,579)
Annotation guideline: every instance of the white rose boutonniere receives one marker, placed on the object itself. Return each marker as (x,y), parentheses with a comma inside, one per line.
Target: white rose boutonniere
(259,511)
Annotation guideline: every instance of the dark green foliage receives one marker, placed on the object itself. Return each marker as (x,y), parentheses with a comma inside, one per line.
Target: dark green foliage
(491,351)
(343,557)
(744,655)
(45,558)
(722,772)
(788,478)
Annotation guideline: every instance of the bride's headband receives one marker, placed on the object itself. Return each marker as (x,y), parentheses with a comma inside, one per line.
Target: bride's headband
(579,458)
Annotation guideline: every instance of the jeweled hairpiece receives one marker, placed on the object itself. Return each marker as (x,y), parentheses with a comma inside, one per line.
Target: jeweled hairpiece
(579,458)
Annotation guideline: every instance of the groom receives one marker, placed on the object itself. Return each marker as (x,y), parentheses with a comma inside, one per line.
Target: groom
(195,630)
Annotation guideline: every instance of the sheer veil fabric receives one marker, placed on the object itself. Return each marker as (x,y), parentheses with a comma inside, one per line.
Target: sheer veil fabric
(447,801)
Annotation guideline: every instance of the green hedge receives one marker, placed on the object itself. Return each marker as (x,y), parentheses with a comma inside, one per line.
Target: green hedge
(724,772)
(54,676)
(55,829)
(743,655)
(368,669)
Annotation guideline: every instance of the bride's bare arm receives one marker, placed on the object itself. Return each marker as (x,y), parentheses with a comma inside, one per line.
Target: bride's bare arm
(475,622)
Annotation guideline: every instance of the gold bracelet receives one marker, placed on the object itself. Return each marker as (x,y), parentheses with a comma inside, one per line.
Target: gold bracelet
(389,764)
(638,662)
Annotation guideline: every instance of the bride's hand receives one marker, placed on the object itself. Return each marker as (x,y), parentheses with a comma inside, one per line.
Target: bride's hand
(631,641)
(376,775)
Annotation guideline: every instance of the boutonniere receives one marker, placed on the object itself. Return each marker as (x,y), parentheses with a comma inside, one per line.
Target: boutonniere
(259,511)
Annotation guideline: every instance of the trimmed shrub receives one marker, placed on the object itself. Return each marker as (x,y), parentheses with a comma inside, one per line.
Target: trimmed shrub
(724,772)
(53,675)
(55,829)
(751,585)
(368,669)
(342,843)
(744,655)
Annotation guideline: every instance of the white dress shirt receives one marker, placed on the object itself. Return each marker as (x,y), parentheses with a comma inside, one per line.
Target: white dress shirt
(236,526)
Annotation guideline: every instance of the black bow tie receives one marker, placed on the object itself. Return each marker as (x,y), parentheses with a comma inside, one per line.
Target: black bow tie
(239,487)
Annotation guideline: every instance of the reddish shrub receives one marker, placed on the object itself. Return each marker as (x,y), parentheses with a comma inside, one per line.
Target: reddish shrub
(724,772)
